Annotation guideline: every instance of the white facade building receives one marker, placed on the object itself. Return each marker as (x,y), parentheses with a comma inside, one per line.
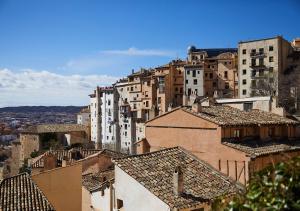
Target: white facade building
(125,118)
(83,117)
(104,118)
(193,83)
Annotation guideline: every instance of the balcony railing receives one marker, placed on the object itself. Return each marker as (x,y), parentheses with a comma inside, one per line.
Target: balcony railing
(259,65)
(257,54)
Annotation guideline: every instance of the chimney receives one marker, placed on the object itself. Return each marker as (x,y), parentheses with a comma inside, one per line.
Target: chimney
(197,107)
(50,162)
(178,181)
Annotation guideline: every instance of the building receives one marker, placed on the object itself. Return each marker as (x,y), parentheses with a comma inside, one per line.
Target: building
(20,192)
(97,190)
(220,70)
(263,103)
(169,179)
(36,138)
(104,118)
(193,83)
(84,117)
(206,131)
(269,67)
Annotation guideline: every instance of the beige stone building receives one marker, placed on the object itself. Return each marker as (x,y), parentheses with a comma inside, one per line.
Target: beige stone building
(220,70)
(234,141)
(269,67)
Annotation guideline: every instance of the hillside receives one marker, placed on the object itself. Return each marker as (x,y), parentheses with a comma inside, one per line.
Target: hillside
(55,109)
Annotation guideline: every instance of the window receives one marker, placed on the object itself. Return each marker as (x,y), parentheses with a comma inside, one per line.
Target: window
(244,71)
(253,62)
(131,88)
(271,69)
(176,89)
(181,90)
(206,75)
(237,133)
(108,103)
(194,73)
(195,81)
(244,61)
(244,51)
(244,91)
(119,203)
(271,59)
(125,126)
(248,106)
(188,72)
(125,133)
(210,75)
(189,92)
(147,103)
(261,50)
(109,129)
(214,84)
(186,81)
(134,106)
(261,72)
(253,51)
(244,81)
(271,48)
(225,63)
(196,91)
(198,72)
(225,74)
(261,61)
(159,100)
(226,85)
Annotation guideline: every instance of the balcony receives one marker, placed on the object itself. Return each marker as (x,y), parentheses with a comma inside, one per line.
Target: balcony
(259,65)
(257,54)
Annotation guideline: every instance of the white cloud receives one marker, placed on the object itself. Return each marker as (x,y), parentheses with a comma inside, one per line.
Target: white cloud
(31,87)
(141,52)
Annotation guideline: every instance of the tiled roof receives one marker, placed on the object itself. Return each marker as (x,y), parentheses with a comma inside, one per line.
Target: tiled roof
(229,116)
(21,193)
(38,162)
(258,148)
(54,128)
(202,183)
(98,181)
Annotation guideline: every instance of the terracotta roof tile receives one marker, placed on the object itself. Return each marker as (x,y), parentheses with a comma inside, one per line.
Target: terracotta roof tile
(258,148)
(21,193)
(52,128)
(154,171)
(229,116)
(98,181)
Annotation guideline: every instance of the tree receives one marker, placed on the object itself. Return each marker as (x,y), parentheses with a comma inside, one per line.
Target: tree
(274,188)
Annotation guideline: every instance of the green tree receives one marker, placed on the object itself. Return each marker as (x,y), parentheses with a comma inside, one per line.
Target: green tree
(274,188)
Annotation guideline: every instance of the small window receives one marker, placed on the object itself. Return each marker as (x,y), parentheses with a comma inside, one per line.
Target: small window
(206,75)
(244,81)
(214,84)
(244,91)
(271,59)
(271,69)
(261,50)
(186,81)
(244,61)
(226,85)
(188,72)
(194,73)
(244,71)
(195,81)
(210,75)
(119,203)
(271,48)
(225,74)
(244,51)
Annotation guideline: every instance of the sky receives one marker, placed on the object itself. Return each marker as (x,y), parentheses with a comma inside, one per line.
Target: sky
(55,52)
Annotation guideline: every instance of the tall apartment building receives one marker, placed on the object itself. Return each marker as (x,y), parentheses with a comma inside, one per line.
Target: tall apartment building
(170,80)
(219,67)
(104,118)
(193,83)
(268,67)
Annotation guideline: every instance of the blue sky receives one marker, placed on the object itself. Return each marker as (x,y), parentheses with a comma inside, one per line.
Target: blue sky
(104,40)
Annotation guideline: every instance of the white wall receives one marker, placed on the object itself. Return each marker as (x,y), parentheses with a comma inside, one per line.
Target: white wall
(135,196)
(94,119)
(101,203)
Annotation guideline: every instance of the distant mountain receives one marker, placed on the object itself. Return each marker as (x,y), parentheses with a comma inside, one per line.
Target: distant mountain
(56,109)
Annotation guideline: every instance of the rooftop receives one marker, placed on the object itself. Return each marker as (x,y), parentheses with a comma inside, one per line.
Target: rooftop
(54,128)
(212,52)
(257,148)
(21,193)
(229,116)
(72,155)
(98,181)
(202,183)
